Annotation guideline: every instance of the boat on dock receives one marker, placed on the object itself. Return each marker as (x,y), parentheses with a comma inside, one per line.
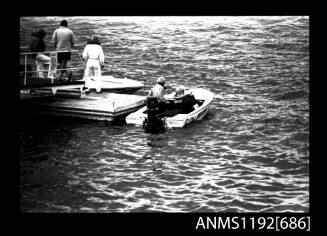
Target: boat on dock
(33,86)
(41,92)
(109,84)
(119,85)
(203,96)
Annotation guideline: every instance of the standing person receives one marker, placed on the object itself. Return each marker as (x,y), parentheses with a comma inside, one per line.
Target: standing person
(158,90)
(38,46)
(63,40)
(93,54)
(157,105)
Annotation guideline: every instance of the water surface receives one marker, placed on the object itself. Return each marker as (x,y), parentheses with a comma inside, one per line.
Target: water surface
(250,154)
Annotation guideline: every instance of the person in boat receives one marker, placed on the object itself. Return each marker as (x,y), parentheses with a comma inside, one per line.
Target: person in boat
(38,46)
(94,56)
(63,40)
(158,92)
(156,104)
(185,102)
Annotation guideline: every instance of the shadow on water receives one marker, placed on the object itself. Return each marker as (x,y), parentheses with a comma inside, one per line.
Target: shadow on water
(154,129)
(157,140)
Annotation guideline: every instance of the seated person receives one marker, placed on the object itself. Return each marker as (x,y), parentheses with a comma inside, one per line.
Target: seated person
(38,46)
(184,101)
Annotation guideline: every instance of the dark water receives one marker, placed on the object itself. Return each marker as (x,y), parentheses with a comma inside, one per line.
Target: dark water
(251,153)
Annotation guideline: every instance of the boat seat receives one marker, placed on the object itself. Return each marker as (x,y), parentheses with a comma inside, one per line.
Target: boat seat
(180,116)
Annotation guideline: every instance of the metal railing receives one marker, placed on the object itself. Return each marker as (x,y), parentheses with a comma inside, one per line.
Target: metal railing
(27,54)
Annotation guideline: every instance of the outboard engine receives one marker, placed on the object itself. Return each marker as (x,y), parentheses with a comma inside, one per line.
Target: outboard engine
(153,120)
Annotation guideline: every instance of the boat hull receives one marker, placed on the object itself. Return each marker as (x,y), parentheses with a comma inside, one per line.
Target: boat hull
(180,120)
(117,85)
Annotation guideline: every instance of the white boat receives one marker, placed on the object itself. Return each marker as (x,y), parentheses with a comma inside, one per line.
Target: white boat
(119,85)
(203,96)
(109,84)
(50,85)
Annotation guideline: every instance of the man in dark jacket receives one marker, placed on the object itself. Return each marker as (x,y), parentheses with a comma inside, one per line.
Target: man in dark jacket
(38,46)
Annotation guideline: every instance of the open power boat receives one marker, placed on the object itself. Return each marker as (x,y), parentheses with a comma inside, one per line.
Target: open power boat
(143,117)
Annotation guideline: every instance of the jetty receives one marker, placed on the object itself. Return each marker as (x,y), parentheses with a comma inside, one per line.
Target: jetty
(51,96)
(104,106)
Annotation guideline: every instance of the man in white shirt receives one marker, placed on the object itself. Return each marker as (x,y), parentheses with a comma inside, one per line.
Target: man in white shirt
(63,40)
(94,56)
(158,90)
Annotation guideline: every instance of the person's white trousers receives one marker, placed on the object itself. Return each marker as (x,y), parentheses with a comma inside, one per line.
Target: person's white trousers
(40,61)
(92,74)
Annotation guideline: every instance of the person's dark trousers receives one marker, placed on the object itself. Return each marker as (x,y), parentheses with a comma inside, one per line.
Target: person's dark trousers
(63,65)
